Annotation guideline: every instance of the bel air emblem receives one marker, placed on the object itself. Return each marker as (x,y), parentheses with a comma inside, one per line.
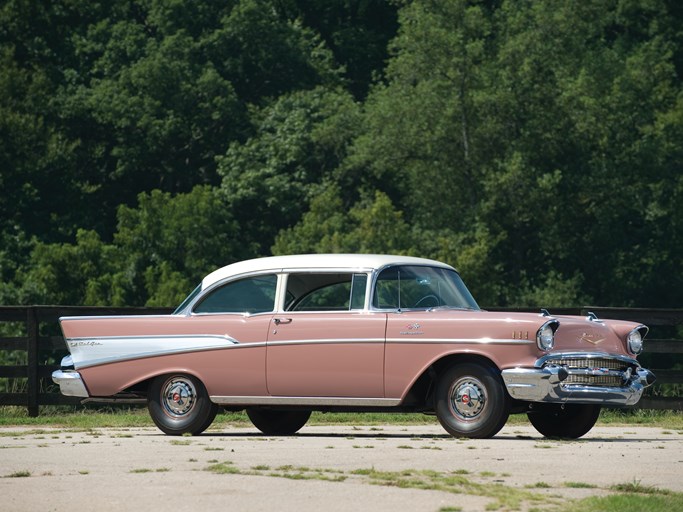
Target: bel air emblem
(591,338)
(412,329)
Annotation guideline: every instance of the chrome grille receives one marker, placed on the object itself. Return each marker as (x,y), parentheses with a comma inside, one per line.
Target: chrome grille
(580,368)
(610,364)
(595,380)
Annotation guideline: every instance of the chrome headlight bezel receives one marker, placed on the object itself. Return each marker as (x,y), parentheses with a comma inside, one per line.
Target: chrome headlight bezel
(635,339)
(545,336)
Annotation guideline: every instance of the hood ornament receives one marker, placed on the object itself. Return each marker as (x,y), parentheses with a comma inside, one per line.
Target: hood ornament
(592,317)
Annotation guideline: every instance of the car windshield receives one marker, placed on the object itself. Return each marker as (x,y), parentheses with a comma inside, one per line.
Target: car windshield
(418,287)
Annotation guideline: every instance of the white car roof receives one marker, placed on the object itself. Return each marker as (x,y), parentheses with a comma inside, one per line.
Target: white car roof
(350,262)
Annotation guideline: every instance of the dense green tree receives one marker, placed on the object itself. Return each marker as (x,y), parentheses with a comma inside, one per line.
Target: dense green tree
(527,131)
(356,31)
(107,100)
(161,250)
(372,225)
(582,86)
(269,179)
(536,145)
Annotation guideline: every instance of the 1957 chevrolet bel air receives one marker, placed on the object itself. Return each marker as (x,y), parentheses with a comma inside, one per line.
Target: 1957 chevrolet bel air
(286,335)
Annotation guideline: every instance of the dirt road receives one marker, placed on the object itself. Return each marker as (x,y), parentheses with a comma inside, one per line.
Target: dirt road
(330,468)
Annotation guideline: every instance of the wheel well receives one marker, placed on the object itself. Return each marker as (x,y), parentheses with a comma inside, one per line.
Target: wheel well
(141,387)
(421,392)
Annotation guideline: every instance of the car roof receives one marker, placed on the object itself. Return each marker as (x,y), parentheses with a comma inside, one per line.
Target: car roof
(350,262)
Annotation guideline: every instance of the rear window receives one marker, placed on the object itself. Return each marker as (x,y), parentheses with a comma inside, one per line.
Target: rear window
(249,295)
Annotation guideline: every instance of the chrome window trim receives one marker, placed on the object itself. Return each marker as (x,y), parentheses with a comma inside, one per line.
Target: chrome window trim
(280,305)
(232,313)
(246,275)
(283,273)
(305,401)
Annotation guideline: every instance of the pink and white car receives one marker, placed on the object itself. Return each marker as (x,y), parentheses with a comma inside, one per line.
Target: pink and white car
(286,335)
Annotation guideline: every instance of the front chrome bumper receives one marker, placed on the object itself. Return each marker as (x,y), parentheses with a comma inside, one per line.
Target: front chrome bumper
(548,384)
(70,383)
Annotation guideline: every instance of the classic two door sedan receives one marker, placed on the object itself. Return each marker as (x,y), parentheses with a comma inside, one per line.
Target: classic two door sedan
(286,335)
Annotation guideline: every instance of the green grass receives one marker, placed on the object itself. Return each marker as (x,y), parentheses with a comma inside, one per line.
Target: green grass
(19,474)
(638,488)
(628,503)
(629,497)
(185,442)
(579,485)
(122,418)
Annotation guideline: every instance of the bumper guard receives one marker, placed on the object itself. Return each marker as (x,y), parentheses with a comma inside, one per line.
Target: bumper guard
(70,383)
(547,385)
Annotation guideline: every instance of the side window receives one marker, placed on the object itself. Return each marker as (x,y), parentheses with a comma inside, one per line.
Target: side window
(249,295)
(387,290)
(420,287)
(326,292)
(358,287)
(406,287)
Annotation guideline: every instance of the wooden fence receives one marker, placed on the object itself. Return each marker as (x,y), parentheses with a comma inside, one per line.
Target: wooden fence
(41,348)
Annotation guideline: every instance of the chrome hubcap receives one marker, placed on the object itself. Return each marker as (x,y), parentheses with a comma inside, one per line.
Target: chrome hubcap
(467,398)
(178,396)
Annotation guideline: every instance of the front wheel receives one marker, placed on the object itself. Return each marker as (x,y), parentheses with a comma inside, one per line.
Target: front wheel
(471,401)
(569,421)
(278,423)
(179,404)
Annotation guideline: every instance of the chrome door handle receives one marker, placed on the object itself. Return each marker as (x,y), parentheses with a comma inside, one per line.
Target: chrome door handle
(279,321)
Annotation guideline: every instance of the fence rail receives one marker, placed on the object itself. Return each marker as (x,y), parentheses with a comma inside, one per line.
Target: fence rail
(43,348)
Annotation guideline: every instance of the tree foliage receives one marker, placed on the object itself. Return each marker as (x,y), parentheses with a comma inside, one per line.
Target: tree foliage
(536,145)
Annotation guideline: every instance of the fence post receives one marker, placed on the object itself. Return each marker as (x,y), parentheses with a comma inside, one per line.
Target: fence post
(32,366)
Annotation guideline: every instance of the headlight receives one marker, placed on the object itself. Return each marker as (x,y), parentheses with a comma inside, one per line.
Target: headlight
(545,337)
(635,339)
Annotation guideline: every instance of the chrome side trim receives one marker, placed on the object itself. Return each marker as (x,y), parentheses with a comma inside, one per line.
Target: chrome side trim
(331,341)
(70,383)
(305,401)
(93,351)
(104,400)
(479,341)
(110,317)
(155,336)
(407,339)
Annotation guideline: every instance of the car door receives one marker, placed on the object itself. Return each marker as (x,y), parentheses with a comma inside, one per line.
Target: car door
(325,343)
(241,311)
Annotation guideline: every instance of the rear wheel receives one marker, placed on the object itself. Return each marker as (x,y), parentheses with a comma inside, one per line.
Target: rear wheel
(471,401)
(569,421)
(278,423)
(180,405)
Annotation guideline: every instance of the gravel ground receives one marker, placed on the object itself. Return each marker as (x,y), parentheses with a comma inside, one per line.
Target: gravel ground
(325,468)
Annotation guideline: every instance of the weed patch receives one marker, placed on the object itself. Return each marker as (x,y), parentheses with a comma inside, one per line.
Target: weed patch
(19,474)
